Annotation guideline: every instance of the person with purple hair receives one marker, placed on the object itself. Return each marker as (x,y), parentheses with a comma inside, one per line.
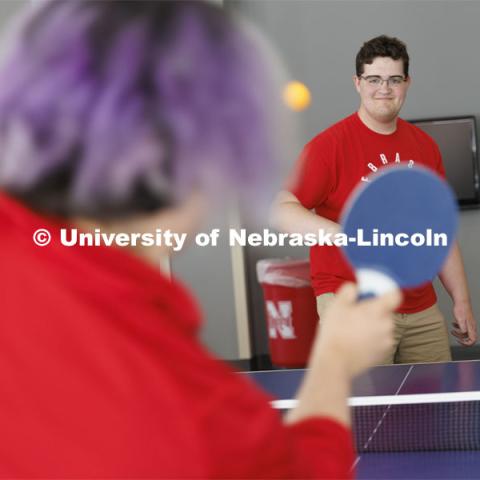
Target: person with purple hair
(129,116)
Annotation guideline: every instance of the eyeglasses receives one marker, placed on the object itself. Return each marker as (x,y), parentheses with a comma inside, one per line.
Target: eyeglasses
(377,81)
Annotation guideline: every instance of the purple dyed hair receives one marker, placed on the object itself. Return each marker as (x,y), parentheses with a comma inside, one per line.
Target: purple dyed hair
(110,107)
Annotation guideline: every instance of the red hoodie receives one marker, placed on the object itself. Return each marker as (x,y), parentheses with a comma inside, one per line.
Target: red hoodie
(102,375)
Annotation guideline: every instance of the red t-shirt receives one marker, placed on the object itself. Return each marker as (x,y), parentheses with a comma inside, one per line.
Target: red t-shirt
(102,376)
(331,166)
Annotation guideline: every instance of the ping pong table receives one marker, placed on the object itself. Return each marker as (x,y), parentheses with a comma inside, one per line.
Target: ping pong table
(410,421)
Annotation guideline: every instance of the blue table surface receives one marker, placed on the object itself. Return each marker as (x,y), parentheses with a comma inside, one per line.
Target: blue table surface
(400,380)
(419,465)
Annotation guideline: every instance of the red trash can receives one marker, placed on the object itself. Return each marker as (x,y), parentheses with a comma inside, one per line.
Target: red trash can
(290,309)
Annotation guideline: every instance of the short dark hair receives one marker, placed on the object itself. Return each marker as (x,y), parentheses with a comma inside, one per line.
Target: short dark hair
(382,46)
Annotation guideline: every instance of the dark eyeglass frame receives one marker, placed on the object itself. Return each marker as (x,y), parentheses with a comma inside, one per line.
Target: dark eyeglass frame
(377,80)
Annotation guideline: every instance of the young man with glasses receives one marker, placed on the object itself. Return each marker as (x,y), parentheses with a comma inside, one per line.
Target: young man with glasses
(330,167)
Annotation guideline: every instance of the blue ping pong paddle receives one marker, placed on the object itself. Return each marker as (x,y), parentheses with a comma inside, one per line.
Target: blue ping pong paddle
(419,212)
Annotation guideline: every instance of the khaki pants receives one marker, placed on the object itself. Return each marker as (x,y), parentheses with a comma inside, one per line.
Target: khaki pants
(419,337)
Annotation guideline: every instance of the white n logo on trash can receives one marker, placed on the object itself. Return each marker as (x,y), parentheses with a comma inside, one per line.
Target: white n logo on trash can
(280,320)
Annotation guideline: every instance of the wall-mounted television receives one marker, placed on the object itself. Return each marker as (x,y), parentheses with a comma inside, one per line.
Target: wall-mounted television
(457,140)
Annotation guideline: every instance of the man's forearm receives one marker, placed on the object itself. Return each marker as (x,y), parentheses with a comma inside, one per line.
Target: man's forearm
(453,277)
(324,393)
(290,216)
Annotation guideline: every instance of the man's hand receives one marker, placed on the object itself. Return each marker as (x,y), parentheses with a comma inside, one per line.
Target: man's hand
(455,282)
(464,324)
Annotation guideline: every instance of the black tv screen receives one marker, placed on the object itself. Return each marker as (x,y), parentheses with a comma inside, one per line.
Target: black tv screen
(456,139)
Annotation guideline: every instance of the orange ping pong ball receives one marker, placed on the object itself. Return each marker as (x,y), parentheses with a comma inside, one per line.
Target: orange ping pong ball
(296,95)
